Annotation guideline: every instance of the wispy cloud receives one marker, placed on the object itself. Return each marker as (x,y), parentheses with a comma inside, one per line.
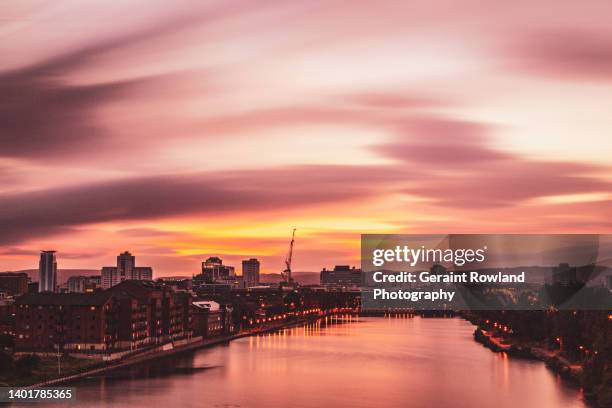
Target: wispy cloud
(117,128)
(578,54)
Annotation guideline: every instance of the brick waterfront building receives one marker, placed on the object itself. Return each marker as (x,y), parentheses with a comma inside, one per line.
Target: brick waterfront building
(131,315)
(70,321)
(162,314)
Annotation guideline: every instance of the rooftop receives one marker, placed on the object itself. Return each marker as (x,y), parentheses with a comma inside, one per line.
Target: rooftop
(13,274)
(207,304)
(136,288)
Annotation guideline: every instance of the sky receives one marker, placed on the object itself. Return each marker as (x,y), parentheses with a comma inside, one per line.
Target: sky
(185,129)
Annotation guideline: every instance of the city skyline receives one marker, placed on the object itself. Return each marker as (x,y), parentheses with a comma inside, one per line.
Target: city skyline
(126,269)
(195,130)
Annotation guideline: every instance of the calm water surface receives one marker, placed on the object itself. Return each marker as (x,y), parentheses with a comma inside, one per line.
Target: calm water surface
(363,362)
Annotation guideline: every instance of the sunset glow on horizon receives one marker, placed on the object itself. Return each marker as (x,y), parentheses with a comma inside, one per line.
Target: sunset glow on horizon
(182,130)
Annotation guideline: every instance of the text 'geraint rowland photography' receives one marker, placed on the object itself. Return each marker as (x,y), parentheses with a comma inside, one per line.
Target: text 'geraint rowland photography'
(442,272)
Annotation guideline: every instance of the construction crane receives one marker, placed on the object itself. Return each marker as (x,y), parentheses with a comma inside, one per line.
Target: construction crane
(286,274)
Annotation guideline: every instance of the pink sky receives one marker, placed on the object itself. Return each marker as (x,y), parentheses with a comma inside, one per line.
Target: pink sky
(180,130)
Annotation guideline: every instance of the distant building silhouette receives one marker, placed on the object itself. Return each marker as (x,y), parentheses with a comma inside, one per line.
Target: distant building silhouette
(342,276)
(564,275)
(14,283)
(47,272)
(177,283)
(437,269)
(126,269)
(33,287)
(82,284)
(250,272)
(213,270)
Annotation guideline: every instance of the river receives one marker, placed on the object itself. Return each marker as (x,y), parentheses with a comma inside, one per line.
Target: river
(359,362)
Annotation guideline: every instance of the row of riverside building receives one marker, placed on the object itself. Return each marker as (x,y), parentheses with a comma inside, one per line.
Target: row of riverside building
(131,315)
(122,309)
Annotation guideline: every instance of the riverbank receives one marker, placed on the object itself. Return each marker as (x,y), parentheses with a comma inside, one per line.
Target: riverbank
(552,358)
(572,372)
(306,362)
(163,351)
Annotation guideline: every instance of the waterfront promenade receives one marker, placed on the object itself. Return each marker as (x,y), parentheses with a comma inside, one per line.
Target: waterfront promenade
(186,345)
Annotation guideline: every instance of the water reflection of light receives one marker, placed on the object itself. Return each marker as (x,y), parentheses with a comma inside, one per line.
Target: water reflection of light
(382,362)
(505,374)
(103,388)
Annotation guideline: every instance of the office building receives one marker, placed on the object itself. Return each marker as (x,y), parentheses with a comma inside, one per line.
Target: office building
(217,278)
(47,272)
(250,272)
(341,277)
(82,284)
(177,283)
(213,270)
(126,269)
